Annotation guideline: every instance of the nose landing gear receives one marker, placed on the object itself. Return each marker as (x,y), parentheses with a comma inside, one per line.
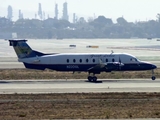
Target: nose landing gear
(153,77)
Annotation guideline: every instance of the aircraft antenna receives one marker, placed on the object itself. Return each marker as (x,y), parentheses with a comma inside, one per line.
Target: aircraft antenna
(112,51)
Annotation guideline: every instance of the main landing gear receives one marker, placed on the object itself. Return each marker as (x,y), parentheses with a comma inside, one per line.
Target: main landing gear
(153,77)
(92,78)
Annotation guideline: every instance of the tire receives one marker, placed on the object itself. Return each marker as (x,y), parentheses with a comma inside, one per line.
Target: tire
(153,77)
(90,78)
(94,79)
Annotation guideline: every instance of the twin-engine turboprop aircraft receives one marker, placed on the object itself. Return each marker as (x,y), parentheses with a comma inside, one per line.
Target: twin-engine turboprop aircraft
(93,63)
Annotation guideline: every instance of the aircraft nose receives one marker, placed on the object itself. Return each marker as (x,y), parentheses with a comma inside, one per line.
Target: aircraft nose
(148,66)
(154,66)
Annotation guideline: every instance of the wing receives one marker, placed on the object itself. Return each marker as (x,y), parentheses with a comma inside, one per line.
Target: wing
(109,66)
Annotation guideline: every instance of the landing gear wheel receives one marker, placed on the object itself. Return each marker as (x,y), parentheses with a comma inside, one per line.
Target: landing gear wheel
(94,79)
(89,78)
(153,77)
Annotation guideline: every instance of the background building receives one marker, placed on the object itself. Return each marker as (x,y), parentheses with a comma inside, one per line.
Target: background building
(20,15)
(65,12)
(40,11)
(56,11)
(9,16)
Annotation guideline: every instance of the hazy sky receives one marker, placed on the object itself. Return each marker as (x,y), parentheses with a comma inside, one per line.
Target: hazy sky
(131,10)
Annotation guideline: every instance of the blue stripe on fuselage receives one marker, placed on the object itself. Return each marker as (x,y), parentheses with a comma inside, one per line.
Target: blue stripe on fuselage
(60,67)
(85,67)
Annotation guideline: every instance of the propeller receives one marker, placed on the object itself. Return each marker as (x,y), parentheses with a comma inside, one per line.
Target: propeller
(120,63)
(101,63)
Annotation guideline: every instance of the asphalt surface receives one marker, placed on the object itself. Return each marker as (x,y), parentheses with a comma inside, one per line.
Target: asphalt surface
(78,86)
(137,47)
(8,60)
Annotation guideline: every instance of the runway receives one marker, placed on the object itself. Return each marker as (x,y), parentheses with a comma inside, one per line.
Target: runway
(137,47)
(78,86)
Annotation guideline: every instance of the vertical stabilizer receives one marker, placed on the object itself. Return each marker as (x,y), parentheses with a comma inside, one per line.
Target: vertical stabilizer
(23,50)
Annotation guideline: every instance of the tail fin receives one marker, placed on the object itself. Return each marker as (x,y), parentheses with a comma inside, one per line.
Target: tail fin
(23,50)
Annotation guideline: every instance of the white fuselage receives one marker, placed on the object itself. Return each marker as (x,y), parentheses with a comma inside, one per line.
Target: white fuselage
(81,58)
(91,62)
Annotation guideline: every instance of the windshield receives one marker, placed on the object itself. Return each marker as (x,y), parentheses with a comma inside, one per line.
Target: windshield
(134,59)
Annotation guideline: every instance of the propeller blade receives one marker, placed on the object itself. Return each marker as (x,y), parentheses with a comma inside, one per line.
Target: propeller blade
(120,63)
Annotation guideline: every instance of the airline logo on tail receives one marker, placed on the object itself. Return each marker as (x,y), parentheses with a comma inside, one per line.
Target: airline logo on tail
(21,48)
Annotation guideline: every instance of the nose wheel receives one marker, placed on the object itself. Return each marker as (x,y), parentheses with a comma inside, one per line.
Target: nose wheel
(153,77)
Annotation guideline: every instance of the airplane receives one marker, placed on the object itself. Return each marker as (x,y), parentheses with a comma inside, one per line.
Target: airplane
(93,63)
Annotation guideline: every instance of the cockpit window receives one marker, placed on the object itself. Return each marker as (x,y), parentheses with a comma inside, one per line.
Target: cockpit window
(134,60)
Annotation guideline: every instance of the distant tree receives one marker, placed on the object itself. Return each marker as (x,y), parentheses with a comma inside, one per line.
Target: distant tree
(4,22)
(37,23)
(90,19)
(55,23)
(103,20)
(27,23)
(49,34)
(100,27)
(49,23)
(82,20)
(121,21)
(63,24)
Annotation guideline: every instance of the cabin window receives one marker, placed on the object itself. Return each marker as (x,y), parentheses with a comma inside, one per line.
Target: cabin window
(74,60)
(113,60)
(87,60)
(133,59)
(80,60)
(106,60)
(67,60)
(93,60)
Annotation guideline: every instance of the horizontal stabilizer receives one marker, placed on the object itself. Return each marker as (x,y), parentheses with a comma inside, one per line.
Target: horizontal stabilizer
(15,42)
